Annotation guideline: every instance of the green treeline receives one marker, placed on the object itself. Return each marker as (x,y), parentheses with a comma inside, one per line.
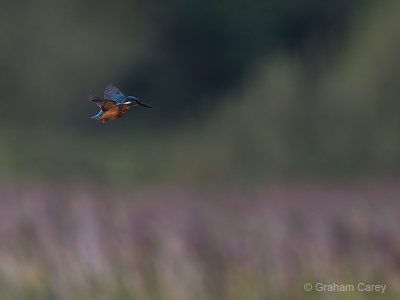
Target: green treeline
(240,89)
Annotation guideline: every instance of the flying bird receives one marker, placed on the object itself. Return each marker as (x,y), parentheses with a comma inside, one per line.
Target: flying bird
(114,105)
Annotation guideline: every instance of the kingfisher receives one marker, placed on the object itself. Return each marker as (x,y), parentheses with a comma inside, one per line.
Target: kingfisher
(115,104)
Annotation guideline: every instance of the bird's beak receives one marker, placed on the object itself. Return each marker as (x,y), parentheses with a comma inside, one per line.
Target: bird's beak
(142,104)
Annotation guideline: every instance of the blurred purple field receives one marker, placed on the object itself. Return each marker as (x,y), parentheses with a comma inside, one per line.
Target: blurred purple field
(82,242)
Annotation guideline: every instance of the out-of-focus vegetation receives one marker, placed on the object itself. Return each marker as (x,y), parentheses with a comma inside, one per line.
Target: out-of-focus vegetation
(240,89)
(263,96)
(74,242)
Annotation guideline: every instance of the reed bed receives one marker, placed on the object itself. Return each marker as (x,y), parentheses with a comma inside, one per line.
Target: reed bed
(80,241)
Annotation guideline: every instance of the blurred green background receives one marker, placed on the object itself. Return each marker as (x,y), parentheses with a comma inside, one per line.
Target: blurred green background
(257,105)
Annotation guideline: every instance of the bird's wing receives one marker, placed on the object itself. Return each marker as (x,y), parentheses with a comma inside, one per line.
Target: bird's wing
(113,93)
(104,104)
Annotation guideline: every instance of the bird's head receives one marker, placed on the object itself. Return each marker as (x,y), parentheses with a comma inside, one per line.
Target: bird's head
(133,101)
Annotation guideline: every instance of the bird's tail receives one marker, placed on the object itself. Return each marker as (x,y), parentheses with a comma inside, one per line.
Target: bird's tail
(98,115)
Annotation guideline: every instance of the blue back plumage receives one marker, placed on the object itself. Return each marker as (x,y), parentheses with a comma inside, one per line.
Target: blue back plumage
(113,93)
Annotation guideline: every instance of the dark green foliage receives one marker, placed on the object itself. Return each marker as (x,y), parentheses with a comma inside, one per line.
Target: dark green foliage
(240,90)
(205,48)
